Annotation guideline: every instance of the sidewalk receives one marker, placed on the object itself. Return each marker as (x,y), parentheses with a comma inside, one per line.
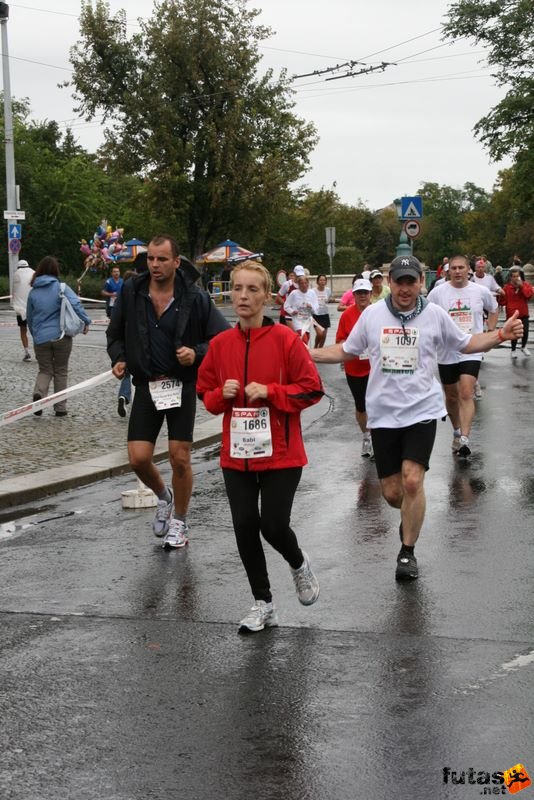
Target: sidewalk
(43,455)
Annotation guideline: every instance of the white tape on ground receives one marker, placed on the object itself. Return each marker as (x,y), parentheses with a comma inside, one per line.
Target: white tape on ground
(31,408)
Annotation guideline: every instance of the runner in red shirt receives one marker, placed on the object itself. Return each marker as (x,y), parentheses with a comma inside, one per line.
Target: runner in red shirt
(357,369)
(260,376)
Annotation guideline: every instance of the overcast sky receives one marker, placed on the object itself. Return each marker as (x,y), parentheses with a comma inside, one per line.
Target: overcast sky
(381,134)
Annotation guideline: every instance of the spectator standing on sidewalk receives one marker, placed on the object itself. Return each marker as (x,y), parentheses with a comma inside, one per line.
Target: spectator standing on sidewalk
(260,376)
(52,348)
(21,289)
(159,331)
(111,289)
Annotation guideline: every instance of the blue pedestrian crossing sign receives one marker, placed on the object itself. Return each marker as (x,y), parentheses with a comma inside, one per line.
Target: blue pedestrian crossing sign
(15,231)
(411,207)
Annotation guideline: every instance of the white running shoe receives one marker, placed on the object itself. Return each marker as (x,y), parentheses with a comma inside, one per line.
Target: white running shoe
(367,447)
(261,615)
(478,391)
(306,583)
(464,450)
(176,535)
(160,524)
(456,444)
(525,351)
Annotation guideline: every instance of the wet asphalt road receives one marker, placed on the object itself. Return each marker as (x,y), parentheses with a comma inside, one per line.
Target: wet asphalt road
(122,676)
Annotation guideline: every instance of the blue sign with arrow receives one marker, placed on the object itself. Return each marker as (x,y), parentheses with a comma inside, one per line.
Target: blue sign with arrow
(15,231)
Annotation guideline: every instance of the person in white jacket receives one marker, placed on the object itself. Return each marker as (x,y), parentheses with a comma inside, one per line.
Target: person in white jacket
(21,289)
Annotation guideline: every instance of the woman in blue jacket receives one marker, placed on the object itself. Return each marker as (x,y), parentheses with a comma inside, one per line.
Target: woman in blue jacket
(52,349)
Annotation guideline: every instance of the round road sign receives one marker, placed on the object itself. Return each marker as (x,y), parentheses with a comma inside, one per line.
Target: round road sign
(14,246)
(412,228)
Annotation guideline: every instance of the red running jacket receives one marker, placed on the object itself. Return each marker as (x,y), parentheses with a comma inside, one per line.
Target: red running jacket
(272,355)
(516,299)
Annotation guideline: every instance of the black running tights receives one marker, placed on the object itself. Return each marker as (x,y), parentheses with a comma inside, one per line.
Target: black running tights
(275,490)
(524,338)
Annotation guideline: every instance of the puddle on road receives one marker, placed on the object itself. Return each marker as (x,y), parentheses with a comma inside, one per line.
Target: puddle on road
(9,516)
(9,527)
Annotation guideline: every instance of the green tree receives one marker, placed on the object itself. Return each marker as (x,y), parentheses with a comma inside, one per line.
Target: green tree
(446,212)
(297,233)
(64,191)
(506,30)
(215,142)
(442,227)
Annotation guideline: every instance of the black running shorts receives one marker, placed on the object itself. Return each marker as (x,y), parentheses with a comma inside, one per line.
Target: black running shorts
(392,446)
(450,373)
(146,421)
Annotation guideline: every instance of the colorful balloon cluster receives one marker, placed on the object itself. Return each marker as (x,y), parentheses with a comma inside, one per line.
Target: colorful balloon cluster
(104,248)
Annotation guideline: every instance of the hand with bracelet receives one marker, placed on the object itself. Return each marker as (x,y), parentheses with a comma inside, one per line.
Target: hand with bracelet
(512,328)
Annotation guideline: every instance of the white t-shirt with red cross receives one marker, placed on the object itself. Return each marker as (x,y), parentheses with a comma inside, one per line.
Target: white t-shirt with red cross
(466,308)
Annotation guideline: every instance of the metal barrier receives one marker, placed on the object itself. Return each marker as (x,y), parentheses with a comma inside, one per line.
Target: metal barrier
(220,292)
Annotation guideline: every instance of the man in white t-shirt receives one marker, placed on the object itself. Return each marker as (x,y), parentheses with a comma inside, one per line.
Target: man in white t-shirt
(300,307)
(402,336)
(483,278)
(465,303)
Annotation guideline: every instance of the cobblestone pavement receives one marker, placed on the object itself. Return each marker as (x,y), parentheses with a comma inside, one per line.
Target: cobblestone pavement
(92,427)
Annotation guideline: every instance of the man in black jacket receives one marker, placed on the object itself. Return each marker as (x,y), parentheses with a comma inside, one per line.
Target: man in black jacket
(159,331)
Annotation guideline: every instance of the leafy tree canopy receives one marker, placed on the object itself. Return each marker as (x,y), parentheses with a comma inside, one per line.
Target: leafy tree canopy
(215,141)
(506,29)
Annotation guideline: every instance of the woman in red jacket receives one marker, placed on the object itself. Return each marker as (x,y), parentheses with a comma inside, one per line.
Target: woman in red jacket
(517,292)
(260,376)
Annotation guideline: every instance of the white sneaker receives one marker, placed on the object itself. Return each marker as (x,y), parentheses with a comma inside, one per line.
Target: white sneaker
(478,391)
(306,583)
(525,351)
(456,444)
(367,447)
(513,353)
(464,451)
(261,615)
(160,523)
(176,535)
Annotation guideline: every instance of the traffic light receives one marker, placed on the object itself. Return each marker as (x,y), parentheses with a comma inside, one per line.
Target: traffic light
(4,11)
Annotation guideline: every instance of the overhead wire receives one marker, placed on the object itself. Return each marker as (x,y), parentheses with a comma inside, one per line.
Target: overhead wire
(301,89)
(367,86)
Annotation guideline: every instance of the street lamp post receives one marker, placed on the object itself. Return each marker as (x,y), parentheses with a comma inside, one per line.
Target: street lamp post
(11,189)
(405,245)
